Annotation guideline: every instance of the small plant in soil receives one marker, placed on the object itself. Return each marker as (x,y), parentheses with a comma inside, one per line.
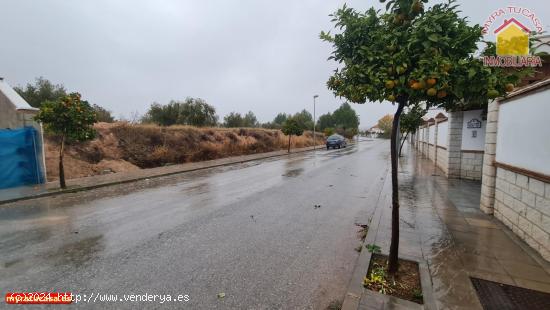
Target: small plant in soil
(417,294)
(378,279)
(405,284)
(373,248)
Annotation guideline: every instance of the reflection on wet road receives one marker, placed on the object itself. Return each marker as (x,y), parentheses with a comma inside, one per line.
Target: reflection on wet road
(249,230)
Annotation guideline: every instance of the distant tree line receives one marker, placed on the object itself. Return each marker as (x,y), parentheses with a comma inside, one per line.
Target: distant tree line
(45,91)
(235,120)
(197,112)
(303,119)
(343,120)
(191,111)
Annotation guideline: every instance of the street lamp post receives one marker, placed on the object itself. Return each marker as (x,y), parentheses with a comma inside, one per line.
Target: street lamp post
(314,120)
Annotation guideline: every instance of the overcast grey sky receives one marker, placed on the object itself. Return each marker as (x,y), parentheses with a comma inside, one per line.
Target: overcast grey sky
(257,55)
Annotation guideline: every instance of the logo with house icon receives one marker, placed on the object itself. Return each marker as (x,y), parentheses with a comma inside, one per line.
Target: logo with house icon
(512,38)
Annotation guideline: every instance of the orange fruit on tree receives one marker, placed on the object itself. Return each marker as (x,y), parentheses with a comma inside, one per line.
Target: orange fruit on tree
(441,94)
(390,84)
(391,98)
(417,86)
(509,87)
(493,93)
(431,81)
(432,92)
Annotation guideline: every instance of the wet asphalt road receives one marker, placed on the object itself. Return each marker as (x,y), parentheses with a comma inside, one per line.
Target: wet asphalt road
(250,231)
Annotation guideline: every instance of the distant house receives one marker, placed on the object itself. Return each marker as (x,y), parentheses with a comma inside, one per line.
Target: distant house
(21,143)
(374,131)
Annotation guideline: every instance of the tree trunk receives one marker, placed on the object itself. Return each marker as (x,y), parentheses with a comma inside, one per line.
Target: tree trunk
(289,136)
(394,246)
(61,170)
(402,143)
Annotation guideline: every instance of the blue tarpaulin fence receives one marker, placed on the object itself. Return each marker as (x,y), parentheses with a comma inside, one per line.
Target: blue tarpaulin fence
(20,152)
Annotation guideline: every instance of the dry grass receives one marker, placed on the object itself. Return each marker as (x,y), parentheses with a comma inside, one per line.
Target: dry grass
(122,147)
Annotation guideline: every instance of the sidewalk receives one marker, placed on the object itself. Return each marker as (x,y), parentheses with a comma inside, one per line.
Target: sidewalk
(443,228)
(86,183)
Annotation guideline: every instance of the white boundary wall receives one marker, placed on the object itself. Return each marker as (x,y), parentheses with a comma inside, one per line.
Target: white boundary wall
(516,173)
(442,132)
(523,138)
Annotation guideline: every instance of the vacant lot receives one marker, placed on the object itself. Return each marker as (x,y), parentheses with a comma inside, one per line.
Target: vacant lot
(123,147)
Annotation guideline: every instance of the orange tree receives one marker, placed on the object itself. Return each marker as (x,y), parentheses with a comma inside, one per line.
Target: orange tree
(408,55)
(69,118)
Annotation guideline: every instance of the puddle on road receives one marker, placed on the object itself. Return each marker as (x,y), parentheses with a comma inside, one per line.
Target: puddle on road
(293,173)
(195,189)
(77,253)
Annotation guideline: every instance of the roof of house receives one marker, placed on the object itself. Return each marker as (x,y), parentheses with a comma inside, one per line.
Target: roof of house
(543,44)
(14,97)
(510,21)
(435,113)
(441,117)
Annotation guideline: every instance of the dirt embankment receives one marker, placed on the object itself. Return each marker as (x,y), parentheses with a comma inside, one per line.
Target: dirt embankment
(123,147)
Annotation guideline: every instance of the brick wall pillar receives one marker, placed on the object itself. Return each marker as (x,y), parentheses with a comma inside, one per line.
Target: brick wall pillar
(488,178)
(454,149)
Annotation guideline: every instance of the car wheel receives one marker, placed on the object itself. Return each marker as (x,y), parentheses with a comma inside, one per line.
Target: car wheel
(339,146)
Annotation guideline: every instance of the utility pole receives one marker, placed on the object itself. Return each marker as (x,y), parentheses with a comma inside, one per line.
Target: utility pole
(314,120)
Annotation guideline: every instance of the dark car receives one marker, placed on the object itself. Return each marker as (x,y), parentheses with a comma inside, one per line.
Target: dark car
(336,141)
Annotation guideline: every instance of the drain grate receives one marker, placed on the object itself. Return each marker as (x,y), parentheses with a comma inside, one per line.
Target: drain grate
(500,296)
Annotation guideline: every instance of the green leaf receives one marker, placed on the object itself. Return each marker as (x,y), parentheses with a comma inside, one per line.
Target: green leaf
(433,37)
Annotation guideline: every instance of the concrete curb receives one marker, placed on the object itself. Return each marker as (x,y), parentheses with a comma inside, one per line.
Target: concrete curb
(355,287)
(377,300)
(238,160)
